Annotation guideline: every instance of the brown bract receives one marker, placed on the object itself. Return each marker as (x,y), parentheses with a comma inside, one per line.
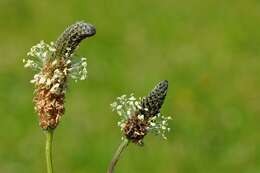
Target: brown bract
(135,129)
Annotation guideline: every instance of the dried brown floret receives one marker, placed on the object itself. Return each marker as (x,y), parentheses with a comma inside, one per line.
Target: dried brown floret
(135,129)
(49,104)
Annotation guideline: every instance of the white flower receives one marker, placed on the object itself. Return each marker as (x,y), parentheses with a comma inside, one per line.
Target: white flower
(152,124)
(119,107)
(68,61)
(57,76)
(140,117)
(78,70)
(132,98)
(124,106)
(36,78)
(159,125)
(137,104)
(48,82)
(41,51)
(163,128)
(29,63)
(127,106)
(42,80)
(55,89)
(54,62)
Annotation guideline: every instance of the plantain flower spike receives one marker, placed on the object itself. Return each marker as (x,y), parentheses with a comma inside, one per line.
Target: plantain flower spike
(54,64)
(151,105)
(141,116)
(71,37)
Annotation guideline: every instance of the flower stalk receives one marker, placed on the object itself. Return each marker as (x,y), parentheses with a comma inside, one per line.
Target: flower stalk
(117,155)
(48,150)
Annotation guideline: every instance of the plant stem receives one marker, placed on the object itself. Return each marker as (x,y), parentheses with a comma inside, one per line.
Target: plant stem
(48,150)
(116,157)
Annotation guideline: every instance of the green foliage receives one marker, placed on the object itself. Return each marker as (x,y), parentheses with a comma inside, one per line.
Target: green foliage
(208,50)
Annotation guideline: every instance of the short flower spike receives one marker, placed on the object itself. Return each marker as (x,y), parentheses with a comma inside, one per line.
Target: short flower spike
(151,105)
(141,116)
(138,117)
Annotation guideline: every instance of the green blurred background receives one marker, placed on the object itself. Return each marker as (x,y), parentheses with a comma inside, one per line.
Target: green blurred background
(209,51)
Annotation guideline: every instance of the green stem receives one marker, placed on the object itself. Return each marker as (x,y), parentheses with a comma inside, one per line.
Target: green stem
(116,157)
(48,150)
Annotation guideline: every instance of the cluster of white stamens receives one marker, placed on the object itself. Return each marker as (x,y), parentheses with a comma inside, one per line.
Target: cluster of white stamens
(42,53)
(128,106)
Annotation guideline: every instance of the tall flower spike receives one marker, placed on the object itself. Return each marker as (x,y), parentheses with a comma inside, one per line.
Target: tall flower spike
(55,64)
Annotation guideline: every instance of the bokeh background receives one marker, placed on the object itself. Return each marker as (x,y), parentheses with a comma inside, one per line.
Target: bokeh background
(209,51)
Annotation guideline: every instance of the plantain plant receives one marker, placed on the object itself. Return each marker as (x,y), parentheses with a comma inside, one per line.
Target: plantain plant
(54,63)
(138,117)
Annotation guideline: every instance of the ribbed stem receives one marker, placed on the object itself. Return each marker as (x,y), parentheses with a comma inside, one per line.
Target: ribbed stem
(48,150)
(117,155)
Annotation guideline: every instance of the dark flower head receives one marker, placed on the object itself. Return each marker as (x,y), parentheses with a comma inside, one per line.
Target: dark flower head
(71,37)
(151,104)
(141,116)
